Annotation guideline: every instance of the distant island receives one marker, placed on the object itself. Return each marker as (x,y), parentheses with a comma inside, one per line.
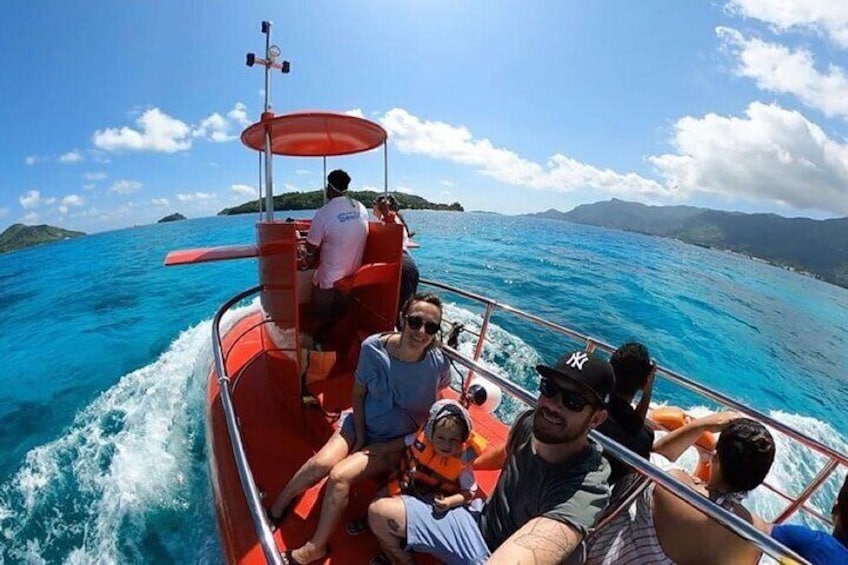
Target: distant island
(18,236)
(315,199)
(171,218)
(814,247)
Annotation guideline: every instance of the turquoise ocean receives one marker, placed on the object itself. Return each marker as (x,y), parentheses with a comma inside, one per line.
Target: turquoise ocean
(105,354)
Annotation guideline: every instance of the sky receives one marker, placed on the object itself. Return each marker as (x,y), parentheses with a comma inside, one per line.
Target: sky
(116,114)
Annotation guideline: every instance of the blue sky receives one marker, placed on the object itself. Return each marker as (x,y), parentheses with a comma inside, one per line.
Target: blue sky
(118,113)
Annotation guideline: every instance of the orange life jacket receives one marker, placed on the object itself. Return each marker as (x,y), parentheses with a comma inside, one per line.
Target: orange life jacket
(424,471)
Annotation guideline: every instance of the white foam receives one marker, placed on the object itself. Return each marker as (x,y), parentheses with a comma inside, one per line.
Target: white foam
(125,457)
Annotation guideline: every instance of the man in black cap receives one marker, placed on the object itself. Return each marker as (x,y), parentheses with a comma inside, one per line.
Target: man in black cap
(552,486)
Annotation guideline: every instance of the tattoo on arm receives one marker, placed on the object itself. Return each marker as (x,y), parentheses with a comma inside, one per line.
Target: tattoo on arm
(548,540)
(394,526)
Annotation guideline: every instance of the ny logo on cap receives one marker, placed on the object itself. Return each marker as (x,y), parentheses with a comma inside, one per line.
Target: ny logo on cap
(577,360)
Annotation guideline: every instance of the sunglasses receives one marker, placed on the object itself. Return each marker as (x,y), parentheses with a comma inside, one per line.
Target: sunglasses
(415,323)
(570,399)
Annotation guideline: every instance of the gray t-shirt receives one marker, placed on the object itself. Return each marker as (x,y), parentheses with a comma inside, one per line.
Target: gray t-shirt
(399,394)
(574,492)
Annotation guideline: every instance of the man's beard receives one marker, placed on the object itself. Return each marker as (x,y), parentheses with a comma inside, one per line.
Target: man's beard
(557,432)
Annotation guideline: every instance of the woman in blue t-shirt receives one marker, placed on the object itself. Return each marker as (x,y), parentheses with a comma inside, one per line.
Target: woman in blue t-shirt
(817,547)
(398,378)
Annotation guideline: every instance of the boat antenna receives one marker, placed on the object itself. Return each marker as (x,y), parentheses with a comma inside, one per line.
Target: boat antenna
(272,53)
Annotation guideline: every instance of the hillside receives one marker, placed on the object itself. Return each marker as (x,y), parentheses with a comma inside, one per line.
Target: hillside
(18,236)
(315,199)
(817,246)
(172,218)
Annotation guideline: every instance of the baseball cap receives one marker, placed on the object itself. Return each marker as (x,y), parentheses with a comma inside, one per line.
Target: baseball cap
(591,373)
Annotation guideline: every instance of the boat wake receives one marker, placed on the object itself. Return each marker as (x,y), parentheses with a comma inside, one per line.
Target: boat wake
(128,482)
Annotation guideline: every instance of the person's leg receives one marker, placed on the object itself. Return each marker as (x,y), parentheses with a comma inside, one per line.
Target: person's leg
(387,520)
(355,467)
(323,311)
(453,536)
(316,468)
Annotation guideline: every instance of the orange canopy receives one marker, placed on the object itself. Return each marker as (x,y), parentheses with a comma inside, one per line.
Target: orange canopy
(314,134)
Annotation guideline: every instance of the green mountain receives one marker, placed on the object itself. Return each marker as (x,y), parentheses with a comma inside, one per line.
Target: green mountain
(315,199)
(819,247)
(18,236)
(171,218)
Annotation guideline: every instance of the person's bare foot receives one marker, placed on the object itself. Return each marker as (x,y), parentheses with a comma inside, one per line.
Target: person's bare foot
(307,553)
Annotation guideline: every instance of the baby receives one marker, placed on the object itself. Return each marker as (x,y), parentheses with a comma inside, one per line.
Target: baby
(439,458)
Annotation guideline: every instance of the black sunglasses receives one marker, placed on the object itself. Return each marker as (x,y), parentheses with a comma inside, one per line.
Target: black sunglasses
(415,323)
(570,399)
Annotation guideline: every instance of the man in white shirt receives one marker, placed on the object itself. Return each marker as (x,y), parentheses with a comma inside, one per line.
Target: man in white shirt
(339,231)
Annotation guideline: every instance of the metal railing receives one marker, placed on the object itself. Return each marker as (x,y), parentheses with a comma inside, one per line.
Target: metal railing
(248,485)
(733,522)
(745,530)
(833,459)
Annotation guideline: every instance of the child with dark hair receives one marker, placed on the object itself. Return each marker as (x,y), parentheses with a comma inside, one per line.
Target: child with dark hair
(817,547)
(634,372)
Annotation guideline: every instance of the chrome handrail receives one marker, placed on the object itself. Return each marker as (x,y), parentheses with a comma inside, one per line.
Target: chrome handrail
(728,519)
(742,528)
(248,485)
(833,457)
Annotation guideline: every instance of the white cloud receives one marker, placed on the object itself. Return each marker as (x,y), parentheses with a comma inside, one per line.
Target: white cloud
(193,196)
(356,112)
(214,128)
(71,157)
(560,173)
(445,182)
(829,17)
(30,160)
(95,176)
(157,132)
(89,186)
(771,154)
(217,128)
(63,209)
(72,200)
(302,172)
(239,114)
(3,212)
(161,202)
(446,193)
(779,69)
(125,186)
(32,199)
(244,189)
(30,218)
(405,190)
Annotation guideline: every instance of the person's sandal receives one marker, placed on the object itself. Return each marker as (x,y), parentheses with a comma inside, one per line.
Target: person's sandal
(357,527)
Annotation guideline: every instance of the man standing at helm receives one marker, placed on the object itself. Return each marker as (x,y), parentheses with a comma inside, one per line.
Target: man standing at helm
(339,231)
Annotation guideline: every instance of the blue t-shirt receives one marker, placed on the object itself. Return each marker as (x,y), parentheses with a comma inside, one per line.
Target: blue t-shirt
(399,394)
(819,548)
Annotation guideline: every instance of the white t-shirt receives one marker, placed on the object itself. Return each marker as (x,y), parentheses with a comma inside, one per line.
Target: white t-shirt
(340,229)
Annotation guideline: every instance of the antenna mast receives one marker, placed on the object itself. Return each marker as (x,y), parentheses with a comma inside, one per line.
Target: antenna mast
(272,52)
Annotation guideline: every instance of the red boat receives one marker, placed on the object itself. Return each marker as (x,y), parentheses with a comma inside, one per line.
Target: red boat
(265,418)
